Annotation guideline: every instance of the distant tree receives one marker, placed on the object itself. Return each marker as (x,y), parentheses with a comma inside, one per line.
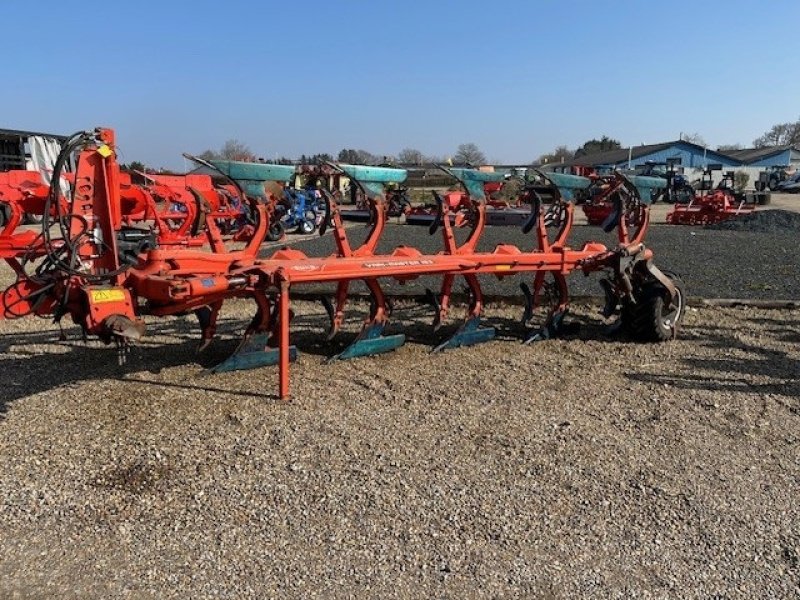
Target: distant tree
(133,167)
(367,158)
(357,157)
(729,147)
(694,138)
(469,154)
(560,154)
(434,159)
(410,156)
(595,146)
(231,150)
(320,158)
(779,135)
(208,155)
(235,150)
(348,156)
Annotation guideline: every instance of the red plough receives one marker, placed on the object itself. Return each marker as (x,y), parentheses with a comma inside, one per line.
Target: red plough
(458,202)
(604,190)
(22,193)
(108,276)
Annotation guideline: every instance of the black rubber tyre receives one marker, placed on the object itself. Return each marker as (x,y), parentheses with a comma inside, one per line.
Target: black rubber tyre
(647,321)
(308,224)
(764,198)
(3,216)
(398,208)
(773,183)
(275,231)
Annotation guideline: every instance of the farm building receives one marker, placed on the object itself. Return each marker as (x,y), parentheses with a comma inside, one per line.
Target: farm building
(28,149)
(691,156)
(772,156)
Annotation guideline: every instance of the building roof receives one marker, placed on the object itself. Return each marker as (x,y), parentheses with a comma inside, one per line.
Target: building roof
(749,155)
(20,133)
(621,155)
(611,157)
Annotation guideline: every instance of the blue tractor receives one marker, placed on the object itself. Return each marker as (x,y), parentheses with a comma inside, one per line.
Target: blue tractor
(299,210)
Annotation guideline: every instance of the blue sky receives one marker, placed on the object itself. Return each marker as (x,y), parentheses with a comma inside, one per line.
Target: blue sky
(516,78)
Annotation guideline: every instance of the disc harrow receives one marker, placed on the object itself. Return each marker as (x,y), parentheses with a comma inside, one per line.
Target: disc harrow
(108,274)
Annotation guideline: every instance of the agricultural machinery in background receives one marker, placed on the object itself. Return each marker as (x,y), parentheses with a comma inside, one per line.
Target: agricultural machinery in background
(397,200)
(711,204)
(300,211)
(108,272)
(772,177)
(503,196)
(294,204)
(790,185)
(180,205)
(601,196)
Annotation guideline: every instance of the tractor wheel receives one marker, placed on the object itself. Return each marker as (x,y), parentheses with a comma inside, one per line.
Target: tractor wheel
(275,231)
(649,320)
(764,198)
(308,224)
(773,183)
(398,208)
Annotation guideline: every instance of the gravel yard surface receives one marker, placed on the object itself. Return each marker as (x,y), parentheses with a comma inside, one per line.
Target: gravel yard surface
(762,221)
(714,264)
(573,468)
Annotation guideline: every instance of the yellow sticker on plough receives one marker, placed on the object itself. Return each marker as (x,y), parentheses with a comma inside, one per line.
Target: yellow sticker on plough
(100,296)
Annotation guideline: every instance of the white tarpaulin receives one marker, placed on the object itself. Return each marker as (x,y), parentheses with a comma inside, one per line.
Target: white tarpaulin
(43,154)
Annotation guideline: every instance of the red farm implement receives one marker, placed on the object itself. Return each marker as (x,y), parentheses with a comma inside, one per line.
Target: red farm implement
(107,276)
(23,193)
(711,206)
(187,202)
(601,196)
(500,211)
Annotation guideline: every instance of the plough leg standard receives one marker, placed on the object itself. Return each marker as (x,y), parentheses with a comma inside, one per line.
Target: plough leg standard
(107,275)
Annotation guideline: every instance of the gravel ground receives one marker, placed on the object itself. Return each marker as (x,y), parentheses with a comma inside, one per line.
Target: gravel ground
(714,264)
(762,221)
(572,468)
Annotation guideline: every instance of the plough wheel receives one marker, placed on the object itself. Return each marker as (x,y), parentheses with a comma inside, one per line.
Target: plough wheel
(651,318)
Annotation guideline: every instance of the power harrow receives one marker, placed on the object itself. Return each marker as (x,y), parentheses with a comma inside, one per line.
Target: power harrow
(707,209)
(711,206)
(107,275)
